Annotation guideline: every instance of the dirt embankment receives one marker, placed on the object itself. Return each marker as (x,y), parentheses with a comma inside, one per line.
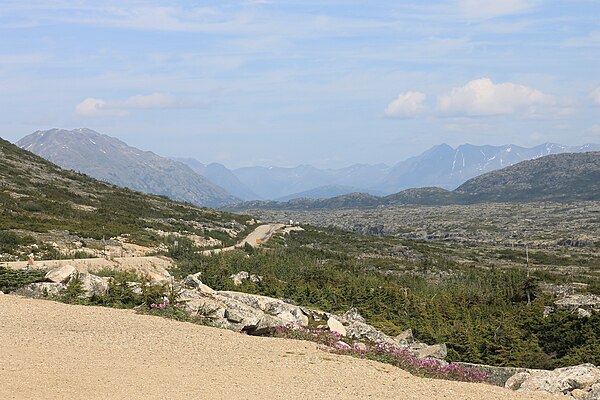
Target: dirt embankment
(51,350)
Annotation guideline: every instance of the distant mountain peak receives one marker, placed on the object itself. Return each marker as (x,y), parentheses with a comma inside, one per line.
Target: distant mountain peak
(109,159)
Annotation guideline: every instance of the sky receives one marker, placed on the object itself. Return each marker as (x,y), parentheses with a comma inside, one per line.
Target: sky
(283,83)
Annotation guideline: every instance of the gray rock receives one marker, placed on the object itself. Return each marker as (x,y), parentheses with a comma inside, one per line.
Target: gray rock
(336,326)
(362,331)
(405,338)
(61,274)
(192,280)
(40,289)
(434,351)
(239,278)
(594,394)
(275,307)
(352,315)
(583,313)
(94,285)
(582,377)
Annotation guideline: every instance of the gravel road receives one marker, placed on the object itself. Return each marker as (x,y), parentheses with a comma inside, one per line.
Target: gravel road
(51,350)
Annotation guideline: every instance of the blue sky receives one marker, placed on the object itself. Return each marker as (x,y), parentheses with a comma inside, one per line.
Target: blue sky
(328,83)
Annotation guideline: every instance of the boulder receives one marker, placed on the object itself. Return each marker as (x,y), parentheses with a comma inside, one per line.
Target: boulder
(336,326)
(434,351)
(351,316)
(61,274)
(239,278)
(226,311)
(583,313)
(594,394)
(40,289)
(362,331)
(578,379)
(405,338)
(278,308)
(93,285)
(193,281)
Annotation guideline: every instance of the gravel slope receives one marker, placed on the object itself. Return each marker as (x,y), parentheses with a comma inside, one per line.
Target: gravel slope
(50,350)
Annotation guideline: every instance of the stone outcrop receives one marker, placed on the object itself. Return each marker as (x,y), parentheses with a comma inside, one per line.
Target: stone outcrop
(580,381)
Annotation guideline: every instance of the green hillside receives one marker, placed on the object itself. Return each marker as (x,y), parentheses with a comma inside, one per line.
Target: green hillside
(39,198)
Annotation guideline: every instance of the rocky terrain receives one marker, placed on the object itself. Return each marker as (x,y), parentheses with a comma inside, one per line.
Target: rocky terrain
(109,159)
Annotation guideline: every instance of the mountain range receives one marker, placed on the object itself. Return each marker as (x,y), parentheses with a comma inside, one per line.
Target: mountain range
(109,159)
(187,179)
(559,177)
(440,166)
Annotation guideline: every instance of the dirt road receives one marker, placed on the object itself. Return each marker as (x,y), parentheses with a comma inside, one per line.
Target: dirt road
(51,350)
(259,235)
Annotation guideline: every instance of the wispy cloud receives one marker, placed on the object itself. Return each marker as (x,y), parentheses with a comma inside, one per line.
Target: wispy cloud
(92,107)
(406,105)
(487,9)
(30,58)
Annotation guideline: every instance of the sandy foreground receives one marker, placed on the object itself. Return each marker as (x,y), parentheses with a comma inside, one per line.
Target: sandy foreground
(50,350)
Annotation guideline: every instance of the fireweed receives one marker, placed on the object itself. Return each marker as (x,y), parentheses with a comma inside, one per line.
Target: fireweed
(400,357)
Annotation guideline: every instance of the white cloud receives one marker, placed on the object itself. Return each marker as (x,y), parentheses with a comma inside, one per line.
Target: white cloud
(406,105)
(92,107)
(487,9)
(482,97)
(595,96)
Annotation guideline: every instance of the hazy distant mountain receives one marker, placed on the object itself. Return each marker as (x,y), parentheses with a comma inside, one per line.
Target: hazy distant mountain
(279,182)
(109,159)
(558,177)
(321,192)
(222,176)
(276,182)
(441,166)
(448,168)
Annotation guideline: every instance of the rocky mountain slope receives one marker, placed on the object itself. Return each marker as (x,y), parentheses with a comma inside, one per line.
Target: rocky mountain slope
(109,159)
(561,177)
